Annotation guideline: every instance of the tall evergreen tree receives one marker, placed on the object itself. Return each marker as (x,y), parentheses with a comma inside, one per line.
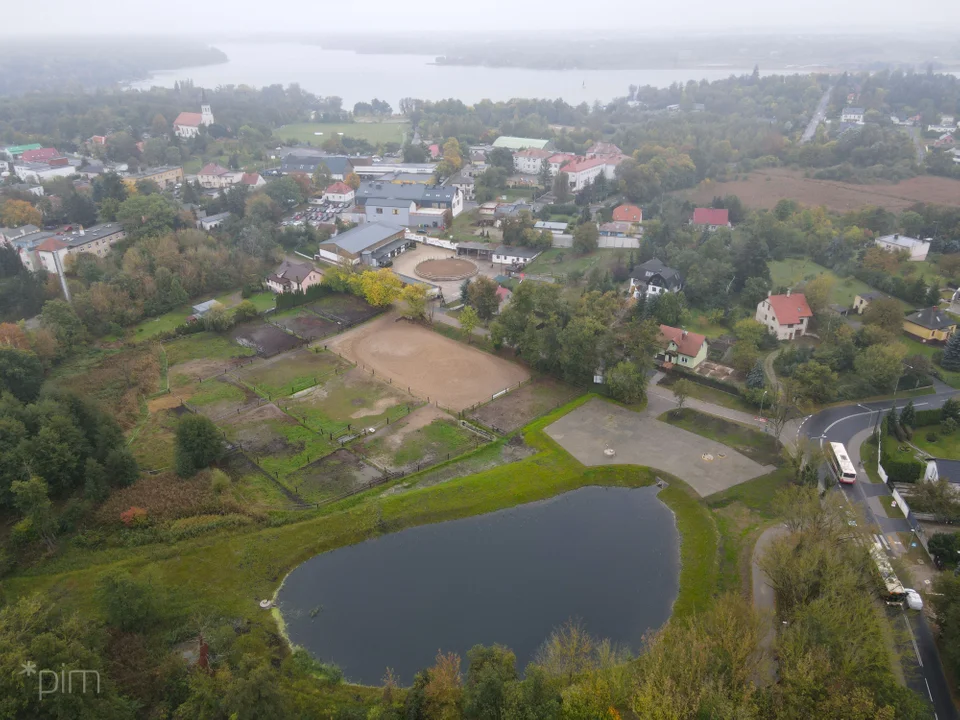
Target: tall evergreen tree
(951,353)
(756,377)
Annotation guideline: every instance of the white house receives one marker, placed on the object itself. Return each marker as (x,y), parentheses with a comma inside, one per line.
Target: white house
(188,124)
(212,221)
(785,316)
(290,277)
(530,161)
(852,115)
(938,468)
(918,249)
(558,161)
(507,255)
(212,176)
(339,192)
(39,172)
(583,170)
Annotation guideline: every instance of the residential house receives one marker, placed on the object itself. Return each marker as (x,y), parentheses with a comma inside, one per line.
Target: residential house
(945,141)
(653,278)
(435,151)
(212,221)
(627,213)
(441,197)
(938,468)
(930,324)
(711,218)
(464,182)
(39,172)
(213,176)
(339,192)
(188,124)
(487,211)
(165,176)
(23,188)
(8,235)
(603,148)
(558,160)
(582,171)
(530,161)
(852,115)
(863,300)
(507,255)
(785,316)
(681,347)
(947,124)
(291,277)
(97,239)
(617,229)
(916,248)
(554,227)
(252,180)
(373,244)
(14,152)
(392,210)
(519,143)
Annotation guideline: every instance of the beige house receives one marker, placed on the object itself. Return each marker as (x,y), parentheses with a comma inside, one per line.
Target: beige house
(863,300)
(162,176)
(290,277)
(681,347)
(786,316)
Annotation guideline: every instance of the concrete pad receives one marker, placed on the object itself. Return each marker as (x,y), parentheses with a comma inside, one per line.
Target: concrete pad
(638,439)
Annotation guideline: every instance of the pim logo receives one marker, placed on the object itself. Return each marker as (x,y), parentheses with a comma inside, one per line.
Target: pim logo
(50,681)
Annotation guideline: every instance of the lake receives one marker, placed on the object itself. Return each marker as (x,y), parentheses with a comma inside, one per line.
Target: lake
(607,556)
(355,76)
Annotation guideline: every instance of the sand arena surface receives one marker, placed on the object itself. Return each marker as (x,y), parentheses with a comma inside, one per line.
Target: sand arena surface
(433,366)
(446,269)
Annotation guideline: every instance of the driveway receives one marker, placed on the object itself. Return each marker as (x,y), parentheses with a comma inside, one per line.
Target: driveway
(640,439)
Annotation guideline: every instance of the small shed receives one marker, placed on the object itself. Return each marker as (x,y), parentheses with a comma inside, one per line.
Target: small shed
(203,308)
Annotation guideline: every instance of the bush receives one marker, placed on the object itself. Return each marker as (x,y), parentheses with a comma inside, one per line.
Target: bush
(902,471)
(127,604)
(199,444)
(932,436)
(134,517)
(219,481)
(948,426)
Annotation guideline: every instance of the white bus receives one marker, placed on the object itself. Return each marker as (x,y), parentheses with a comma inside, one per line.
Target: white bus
(841,465)
(892,590)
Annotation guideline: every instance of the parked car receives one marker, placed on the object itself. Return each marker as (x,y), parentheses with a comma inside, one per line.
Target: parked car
(914,601)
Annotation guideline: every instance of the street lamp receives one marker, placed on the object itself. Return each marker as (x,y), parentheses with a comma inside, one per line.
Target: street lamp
(761,403)
(893,412)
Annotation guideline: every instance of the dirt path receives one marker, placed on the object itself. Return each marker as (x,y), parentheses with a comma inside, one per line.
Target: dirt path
(764,602)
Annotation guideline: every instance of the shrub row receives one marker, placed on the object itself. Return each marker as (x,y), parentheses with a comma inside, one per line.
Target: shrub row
(288,300)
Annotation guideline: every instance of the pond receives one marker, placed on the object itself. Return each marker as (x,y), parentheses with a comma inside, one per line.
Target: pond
(606,556)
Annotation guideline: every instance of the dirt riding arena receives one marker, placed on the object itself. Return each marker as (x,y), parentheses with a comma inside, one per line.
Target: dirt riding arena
(764,188)
(446,269)
(266,339)
(432,366)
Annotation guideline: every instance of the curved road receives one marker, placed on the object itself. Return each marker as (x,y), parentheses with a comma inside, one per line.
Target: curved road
(854,423)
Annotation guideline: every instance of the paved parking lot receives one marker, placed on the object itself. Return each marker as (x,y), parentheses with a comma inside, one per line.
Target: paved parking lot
(640,439)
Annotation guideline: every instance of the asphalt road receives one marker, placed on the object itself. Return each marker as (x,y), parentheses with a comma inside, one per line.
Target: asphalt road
(819,114)
(841,424)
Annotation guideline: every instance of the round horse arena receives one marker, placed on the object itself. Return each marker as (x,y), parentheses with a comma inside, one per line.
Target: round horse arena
(446,269)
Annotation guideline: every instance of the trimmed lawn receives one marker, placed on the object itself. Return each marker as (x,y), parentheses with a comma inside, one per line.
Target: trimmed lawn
(709,394)
(915,347)
(372,132)
(757,446)
(756,494)
(868,454)
(794,271)
(214,391)
(698,323)
(945,446)
(151,327)
(225,573)
(263,301)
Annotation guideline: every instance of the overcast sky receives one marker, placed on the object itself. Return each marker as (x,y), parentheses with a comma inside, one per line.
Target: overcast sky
(217,17)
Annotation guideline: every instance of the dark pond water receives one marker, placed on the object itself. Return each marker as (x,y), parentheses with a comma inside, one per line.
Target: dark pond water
(608,556)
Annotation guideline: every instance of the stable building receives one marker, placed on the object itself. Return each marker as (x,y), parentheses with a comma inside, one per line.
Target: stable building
(514,255)
(373,244)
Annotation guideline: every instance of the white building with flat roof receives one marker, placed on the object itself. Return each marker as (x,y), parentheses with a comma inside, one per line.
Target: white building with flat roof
(918,249)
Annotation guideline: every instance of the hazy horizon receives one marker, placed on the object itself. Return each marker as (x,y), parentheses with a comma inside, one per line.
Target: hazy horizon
(223,20)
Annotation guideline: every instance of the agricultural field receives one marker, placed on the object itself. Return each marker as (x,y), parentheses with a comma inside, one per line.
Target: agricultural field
(149,328)
(373,132)
(267,340)
(762,189)
(152,441)
(795,271)
(338,473)
(279,443)
(344,308)
(206,346)
(519,407)
(292,372)
(423,438)
(305,324)
(354,398)
(222,396)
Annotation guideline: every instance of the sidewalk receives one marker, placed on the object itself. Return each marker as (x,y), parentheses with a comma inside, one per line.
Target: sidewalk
(764,603)
(440,315)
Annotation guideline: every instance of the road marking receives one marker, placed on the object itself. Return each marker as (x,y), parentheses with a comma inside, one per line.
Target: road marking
(869,412)
(916,648)
(929,694)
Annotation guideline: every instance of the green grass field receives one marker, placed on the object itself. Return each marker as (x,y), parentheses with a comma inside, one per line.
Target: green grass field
(709,394)
(207,345)
(698,323)
(561,261)
(151,327)
(915,347)
(373,133)
(945,446)
(758,446)
(152,442)
(439,441)
(215,391)
(291,373)
(794,271)
(353,398)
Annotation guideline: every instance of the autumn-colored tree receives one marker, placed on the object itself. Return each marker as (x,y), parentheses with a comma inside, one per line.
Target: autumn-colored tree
(886,313)
(452,158)
(878,259)
(353,180)
(380,287)
(321,177)
(415,296)
(444,690)
(13,335)
(681,391)
(818,291)
(19,212)
(468,321)
(306,188)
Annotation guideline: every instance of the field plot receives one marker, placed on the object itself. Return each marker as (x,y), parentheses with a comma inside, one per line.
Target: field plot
(305,324)
(264,338)
(292,372)
(764,188)
(251,489)
(372,132)
(338,473)
(278,443)
(345,309)
(206,346)
(354,398)
(423,438)
(222,396)
(430,365)
(152,443)
(519,407)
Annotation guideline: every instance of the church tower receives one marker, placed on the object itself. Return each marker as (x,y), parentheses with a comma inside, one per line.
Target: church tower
(206,113)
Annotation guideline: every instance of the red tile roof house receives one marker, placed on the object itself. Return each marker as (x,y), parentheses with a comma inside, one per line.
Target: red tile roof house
(627,213)
(786,316)
(711,218)
(41,155)
(339,192)
(681,347)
